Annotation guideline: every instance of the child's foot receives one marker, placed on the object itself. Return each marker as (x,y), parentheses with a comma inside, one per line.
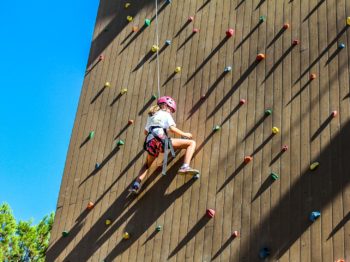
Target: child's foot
(135,188)
(188,170)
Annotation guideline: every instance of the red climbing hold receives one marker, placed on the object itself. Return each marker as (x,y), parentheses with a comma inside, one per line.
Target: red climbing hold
(334,114)
(210,213)
(203,97)
(260,57)
(101,57)
(90,206)
(195,30)
(242,101)
(312,76)
(190,19)
(296,42)
(230,32)
(247,159)
(284,148)
(130,122)
(235,234)
(285,26)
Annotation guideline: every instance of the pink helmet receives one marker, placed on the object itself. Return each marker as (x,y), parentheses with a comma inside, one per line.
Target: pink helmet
(168,101)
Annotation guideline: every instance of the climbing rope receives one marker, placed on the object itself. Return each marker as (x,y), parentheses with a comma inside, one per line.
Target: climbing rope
(157,52)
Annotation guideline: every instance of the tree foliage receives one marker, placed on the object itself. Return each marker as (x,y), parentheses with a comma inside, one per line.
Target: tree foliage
(23,241)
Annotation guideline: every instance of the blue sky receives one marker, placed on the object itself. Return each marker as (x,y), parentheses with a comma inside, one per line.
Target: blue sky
(44,49)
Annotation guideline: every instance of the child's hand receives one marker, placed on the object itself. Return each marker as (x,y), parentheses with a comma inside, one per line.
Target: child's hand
(187,135)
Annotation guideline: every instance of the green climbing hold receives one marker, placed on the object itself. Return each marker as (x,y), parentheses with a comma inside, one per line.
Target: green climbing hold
(274,176)
(120,143)
(268,112)
(92,134)
(154,97)
(314,166)
(159,228)
(147,22)
(65,233)
(262,18)
(216,128)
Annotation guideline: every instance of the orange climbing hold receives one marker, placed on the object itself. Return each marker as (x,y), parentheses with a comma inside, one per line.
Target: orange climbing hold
(135,29)
(130,122)
(190,19)
(285,26)
(235,234)
(312,76)
(247,159)
(260,57)
(210,213)
(90,205)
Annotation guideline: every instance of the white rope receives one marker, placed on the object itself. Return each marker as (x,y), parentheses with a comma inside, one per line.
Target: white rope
(158,71)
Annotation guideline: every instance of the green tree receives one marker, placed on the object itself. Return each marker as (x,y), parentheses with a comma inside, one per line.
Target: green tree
(23,241)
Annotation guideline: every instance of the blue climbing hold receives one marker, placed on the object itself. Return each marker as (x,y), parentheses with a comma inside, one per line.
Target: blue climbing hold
(341,46)
(97,166)
(228,69)
(168,1)
(168,42)
(314,215)
(264,252)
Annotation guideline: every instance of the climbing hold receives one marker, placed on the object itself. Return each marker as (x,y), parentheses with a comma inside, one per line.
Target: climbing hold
(178,69)
(340,260)
(127,5)
(274,176)
(123,91)
(107,84)
(108,222)
(285,26)
(230,32)
(242,101)
(296,42)
(314,166)
(90,206)
(247,159)
(101,57)
(203,96)
(97,165)
(260,57)
(210,213)
(120,143)
(130,122)
(168,42)
(168,1)
(314,215)
(228,69)
(348,20)
(154,48)
(159,228)
(235,234)
(341,46)
(147,22)
(195,30)
(262,18)
(334,114)
(284,148)
(275,130)
(126,235)
(264,252)
(190,19)
(196,176)
(268,112)
(135,29)
(65,233)
(312,76)
(216,128)
(129,18)
(153,97)
(92,134)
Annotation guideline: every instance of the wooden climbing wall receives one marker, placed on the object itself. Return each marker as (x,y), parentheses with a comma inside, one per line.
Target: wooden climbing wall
(267,213)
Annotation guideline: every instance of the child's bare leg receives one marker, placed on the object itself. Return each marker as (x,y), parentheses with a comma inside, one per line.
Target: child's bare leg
(145,167)
(189,145)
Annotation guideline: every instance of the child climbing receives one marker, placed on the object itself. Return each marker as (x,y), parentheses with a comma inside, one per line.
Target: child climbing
(157,141)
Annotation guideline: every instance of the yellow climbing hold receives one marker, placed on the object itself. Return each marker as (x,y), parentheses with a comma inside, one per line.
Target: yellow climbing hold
(127,5)
(314,166)
(178,69)
(348,20)
(107,84)
(108,222)
(123,91)
(275,130)
(129,18)
(126,235)
(154,48)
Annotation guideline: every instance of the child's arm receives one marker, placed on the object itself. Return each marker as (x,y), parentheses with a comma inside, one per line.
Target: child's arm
(179,132)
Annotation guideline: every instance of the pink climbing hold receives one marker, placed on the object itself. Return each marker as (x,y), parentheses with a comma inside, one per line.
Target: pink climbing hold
(242,101)
(203,96)
(190,19)
(312,76)
(101,57)
(230,32)
(130,122)
(195,30)
(284,148)
(235,234)
(210,213)
(334,114)
(296,42)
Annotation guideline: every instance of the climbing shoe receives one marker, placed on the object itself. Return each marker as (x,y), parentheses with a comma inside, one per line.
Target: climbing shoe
(188,170)
(135,188)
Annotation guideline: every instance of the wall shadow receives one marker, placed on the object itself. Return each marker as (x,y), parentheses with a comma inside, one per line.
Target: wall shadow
(340,225)
(313,10)
(278,35)
(97,95)
(267,183)
(223,247)
(287,221)
(335,53)
(143,61)
(122,130)
(183,27)
(257,124)
(203,5)
(248,35)
(186,40)
(147,105)
(321,128)
(299,92)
